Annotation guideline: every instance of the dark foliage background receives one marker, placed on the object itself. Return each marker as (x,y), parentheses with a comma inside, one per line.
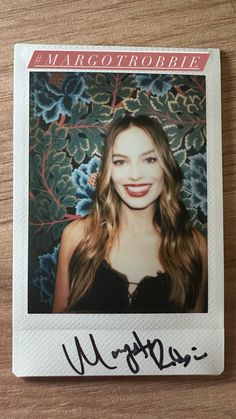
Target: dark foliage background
(70,114)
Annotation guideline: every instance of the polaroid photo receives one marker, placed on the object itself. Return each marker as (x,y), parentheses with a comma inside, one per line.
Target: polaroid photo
(118,216)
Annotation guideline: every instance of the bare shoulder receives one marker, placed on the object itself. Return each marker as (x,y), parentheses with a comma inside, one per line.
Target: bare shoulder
(74,228)
(72,234)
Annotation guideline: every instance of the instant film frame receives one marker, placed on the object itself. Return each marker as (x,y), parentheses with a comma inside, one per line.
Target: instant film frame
(59,88)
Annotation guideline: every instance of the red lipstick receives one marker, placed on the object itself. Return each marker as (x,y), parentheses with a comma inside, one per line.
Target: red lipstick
(137,190)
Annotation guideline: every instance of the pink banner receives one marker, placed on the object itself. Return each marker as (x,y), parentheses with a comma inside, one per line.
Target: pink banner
(118,60)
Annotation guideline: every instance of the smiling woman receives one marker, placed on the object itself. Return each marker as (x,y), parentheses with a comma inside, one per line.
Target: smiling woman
(136,251)
(136,171)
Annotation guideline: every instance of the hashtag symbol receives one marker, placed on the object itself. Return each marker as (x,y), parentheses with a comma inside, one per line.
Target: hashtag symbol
(38,59)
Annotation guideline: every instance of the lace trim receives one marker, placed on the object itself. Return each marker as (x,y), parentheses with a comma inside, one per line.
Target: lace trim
(125,278)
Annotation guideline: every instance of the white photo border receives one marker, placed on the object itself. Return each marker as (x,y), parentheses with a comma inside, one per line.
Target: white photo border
(38,338)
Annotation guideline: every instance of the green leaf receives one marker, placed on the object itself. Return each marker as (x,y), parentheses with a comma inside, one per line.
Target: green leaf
(78,113)
(192,108)
(59,138)
(132,105)
(195,139)
(79,155)
(199,141)
(192,213)
(189,141)
(145,103)
(170,130)
(99,113)
(60,187)
(128,81)
(126,92)
(175,143)
(174,106)
(194,82)
(95,141)
(43,212)
(61,133)
(69,201)
(180,156)
(100,79)
(79,143)
(58,158)
(40,135)
(72,143)
(158,104)
(60,213)
(119,113)
(52,209)
(70,190)
(101,97)
(33,123)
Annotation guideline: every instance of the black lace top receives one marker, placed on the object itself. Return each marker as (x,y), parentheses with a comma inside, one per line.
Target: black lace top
(109,293)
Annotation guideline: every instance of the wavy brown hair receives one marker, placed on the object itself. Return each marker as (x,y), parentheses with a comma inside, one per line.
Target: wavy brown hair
(179,252)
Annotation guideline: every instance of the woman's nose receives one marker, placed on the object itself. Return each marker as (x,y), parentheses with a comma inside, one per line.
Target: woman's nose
(135,171)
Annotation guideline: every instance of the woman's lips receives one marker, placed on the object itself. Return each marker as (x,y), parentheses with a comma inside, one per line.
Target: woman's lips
(138,190)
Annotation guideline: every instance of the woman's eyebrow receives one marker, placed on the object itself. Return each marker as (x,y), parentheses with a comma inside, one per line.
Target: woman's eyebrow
(119,155)
(142,154)
(148,152)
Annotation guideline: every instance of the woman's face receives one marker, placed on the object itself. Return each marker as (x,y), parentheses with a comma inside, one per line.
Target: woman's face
(136,172)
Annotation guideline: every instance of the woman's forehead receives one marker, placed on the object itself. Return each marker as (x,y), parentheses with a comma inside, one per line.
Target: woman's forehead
(133,140)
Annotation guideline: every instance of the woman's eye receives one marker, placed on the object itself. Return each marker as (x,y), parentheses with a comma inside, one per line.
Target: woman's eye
(118,162)
(151,159)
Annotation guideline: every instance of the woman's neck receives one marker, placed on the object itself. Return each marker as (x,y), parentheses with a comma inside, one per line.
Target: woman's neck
(136,221)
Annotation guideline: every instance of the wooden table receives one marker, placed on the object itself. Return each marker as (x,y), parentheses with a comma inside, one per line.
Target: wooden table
(183,23)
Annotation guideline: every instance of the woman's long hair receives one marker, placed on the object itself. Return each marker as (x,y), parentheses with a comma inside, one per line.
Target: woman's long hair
(179,253)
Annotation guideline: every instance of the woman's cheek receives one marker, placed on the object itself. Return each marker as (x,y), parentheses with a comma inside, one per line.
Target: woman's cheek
(118,174)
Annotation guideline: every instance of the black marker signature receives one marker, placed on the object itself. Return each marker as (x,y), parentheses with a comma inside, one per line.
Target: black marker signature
(153,349)
(82,357)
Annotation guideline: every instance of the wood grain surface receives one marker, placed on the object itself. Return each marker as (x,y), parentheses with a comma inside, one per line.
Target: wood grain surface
(181,23)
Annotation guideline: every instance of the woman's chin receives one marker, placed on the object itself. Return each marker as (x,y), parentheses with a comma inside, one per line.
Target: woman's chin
(138,204)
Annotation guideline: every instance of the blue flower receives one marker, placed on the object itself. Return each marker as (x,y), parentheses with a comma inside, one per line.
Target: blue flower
(195,181)
(45,276)
(56,93)
(84,178)
(156,84)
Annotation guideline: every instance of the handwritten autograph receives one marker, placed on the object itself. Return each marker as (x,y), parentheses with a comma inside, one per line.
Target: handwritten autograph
(154,349)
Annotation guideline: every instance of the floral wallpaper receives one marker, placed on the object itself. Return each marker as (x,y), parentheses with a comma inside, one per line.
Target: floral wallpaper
(70,114)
